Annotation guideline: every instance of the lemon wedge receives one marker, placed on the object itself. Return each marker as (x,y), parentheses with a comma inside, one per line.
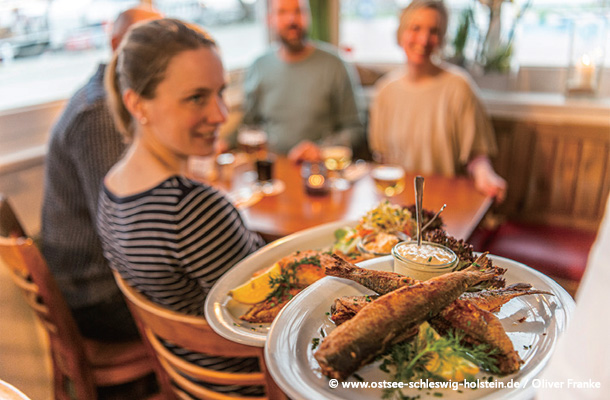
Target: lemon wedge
(257,288)
(451,367)
(447,365)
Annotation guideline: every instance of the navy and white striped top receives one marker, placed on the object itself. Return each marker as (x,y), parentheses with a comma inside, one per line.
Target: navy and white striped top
(174,241)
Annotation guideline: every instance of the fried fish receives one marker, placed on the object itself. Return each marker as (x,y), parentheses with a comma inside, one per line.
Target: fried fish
(484,327)
(346,307)
(387,320)
(298,270)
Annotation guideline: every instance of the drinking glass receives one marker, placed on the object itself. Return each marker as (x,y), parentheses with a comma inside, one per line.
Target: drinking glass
(389,179)
(252,141)
(336,159)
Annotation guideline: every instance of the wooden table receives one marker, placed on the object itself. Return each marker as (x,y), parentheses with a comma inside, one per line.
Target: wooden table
(294,210)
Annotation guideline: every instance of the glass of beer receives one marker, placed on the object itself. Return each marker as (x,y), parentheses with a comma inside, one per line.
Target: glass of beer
(336,159)
(389,179)
(253,142)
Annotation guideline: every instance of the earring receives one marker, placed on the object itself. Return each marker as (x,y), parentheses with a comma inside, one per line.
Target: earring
(143,121)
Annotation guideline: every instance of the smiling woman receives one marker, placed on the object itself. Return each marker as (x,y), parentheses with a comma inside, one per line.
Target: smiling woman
(170,237)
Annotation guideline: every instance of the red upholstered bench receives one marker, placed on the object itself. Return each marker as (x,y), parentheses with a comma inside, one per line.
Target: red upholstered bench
(558,252)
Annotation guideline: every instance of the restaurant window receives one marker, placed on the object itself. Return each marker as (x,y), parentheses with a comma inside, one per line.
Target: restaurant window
(48,49)
(367,29)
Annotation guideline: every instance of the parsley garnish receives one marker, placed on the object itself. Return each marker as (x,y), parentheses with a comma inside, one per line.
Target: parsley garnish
(406,360)
(287,280)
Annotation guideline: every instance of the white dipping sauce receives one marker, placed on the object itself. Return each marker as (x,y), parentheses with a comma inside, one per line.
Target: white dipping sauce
(425,254)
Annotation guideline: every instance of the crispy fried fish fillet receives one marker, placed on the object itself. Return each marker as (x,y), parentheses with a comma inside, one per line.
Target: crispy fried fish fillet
(354,257)
(266,311)
(381,282)
(308,267)
(384,282)
(481,327)
(384,322)
(493,300)
(346,307)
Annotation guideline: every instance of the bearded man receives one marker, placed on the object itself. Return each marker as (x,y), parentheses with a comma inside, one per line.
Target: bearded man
(300,92)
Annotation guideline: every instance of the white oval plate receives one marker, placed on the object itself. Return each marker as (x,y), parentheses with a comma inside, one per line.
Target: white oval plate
(222,312)
(289,353)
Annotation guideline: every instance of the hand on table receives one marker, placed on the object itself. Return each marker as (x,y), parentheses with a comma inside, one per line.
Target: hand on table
(305,151)
(486,180)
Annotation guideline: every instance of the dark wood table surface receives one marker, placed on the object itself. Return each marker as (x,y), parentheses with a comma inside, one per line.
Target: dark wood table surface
(294,210)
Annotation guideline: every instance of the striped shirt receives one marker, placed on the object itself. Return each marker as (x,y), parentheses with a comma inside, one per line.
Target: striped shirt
(172,243)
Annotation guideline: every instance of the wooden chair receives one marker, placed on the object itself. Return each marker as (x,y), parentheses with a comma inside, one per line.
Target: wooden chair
(158,323)
(9,224)
(80,365)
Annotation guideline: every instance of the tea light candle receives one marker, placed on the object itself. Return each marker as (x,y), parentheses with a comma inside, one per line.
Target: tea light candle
(585,71)
(316,185)
(314,178)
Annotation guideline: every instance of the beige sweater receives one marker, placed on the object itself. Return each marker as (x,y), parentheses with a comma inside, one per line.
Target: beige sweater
(435,127)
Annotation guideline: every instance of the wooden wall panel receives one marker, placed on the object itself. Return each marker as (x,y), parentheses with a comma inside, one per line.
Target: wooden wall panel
(556,173)
(514,160)
(564,176)
(591,173)
(538,194)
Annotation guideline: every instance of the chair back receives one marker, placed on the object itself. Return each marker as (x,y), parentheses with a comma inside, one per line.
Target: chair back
(193,333)
(9,224)
(79,365)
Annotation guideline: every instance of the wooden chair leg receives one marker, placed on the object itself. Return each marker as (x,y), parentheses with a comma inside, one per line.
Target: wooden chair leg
(273,390)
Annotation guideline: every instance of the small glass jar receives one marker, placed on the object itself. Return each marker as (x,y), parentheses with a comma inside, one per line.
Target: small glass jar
(423,262)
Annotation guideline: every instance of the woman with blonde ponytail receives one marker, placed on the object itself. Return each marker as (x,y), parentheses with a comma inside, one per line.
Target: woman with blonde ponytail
(170,237)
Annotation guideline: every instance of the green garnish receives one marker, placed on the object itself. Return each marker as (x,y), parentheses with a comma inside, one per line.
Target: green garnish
(407,360)
(287,280)
(314,343)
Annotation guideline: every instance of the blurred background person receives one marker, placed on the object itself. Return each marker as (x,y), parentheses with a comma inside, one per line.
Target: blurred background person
(84,144)
(168,236)
(301,93)
(583,351)
(428,117)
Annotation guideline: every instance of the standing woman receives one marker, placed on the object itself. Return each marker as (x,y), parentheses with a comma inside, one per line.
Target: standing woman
(428,118)
(169,237)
